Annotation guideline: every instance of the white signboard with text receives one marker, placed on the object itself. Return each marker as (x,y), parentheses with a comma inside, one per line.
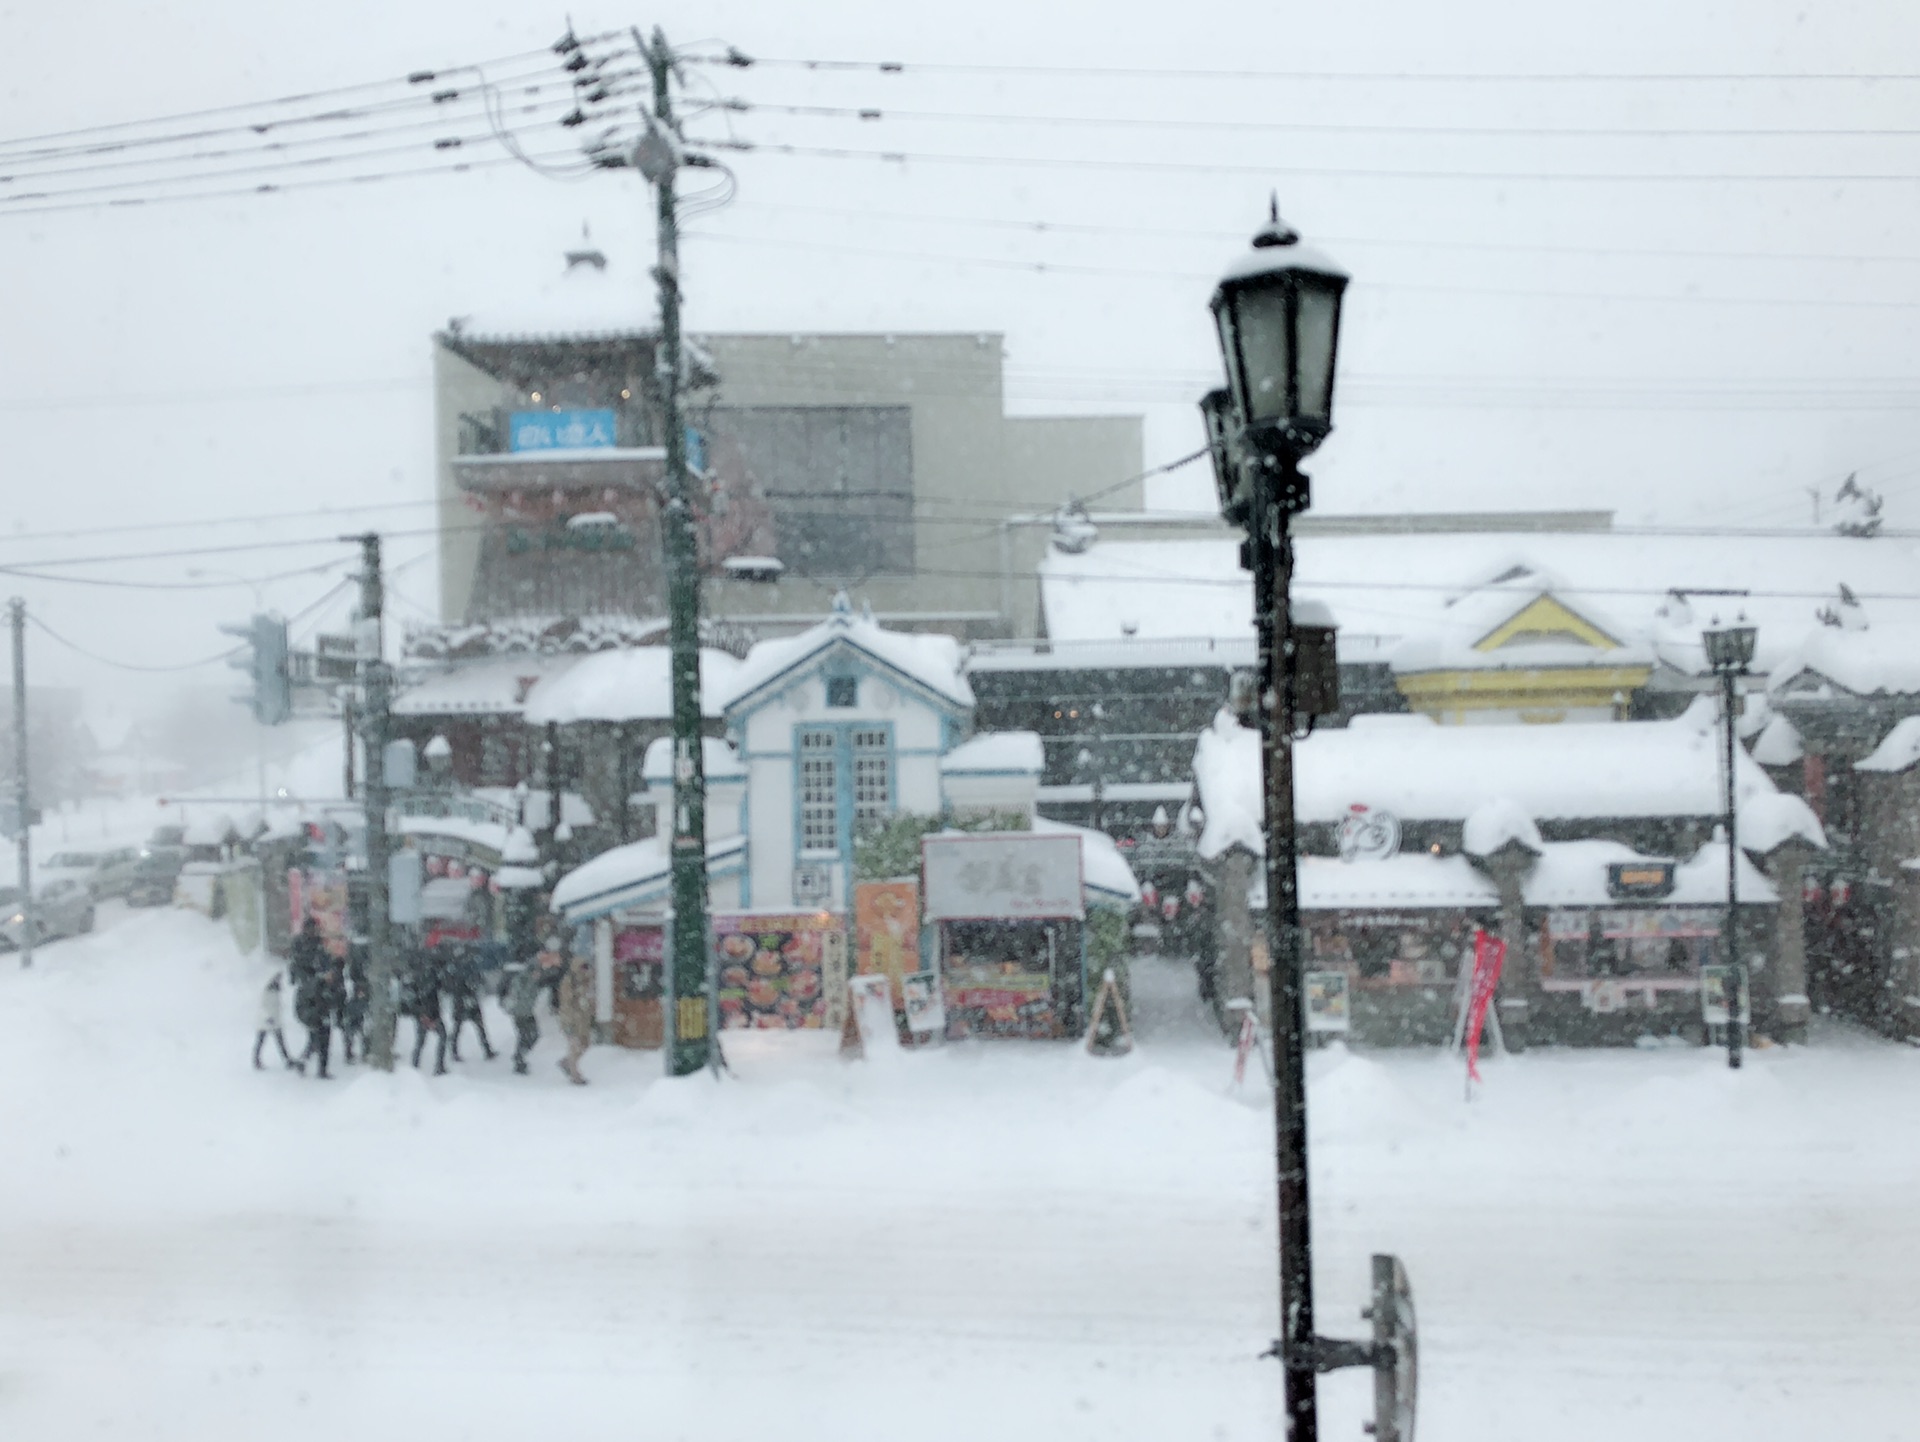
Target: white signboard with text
(1001,876)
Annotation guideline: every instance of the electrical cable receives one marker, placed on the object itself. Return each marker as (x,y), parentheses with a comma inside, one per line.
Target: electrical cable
(21,571)
(131,665)
(1326,172)
(418,77)
(736,59)
(872,114)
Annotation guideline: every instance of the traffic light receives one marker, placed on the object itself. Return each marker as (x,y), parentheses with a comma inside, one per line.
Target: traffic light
(265,662)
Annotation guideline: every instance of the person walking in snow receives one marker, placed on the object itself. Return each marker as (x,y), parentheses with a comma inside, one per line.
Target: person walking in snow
(575,998)
(313,1000)
(520,994)
(270,1010)
(463,991)
(420,999)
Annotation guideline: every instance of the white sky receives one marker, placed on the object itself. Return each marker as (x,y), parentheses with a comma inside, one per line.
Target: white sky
(272,354)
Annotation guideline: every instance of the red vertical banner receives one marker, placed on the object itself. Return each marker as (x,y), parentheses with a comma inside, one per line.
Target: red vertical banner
(1489,956)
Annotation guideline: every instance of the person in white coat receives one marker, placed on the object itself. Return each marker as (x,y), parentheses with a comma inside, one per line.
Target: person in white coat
(270,1024)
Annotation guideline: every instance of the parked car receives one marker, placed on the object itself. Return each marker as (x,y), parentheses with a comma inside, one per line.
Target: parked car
(155,875)
(61,907)
(104,873)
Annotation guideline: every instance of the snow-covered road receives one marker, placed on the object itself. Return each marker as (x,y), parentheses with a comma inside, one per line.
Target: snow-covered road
(1004,1240)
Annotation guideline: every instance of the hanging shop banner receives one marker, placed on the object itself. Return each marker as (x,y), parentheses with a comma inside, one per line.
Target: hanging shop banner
(1489,956)
(1713,996)
(886,929)
(772,968)
(1001,876)
(1328,1000)
(926,1011)
(569,430)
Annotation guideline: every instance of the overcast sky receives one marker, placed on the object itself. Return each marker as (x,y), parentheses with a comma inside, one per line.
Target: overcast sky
(1701,339)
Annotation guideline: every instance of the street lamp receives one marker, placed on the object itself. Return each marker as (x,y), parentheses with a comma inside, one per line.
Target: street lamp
(1278,313)
(1729,654)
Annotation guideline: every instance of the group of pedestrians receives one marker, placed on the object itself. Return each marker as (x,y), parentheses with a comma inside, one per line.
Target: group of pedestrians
(435,985)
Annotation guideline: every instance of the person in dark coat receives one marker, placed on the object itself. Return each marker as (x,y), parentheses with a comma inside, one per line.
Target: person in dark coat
(520,990)
(313,992)
(463,992)
(420,999)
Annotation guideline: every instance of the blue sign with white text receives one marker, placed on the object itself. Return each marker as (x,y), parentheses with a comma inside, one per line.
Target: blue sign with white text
(561,430)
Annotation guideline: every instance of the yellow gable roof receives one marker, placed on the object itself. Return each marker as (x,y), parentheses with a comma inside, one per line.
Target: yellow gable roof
(1545,618)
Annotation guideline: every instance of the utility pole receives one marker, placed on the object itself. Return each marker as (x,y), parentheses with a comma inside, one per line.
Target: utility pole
(22,800)
(689,1037)
(376,697)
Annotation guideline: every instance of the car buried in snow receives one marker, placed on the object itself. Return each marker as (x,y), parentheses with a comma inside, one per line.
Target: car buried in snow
(62,906)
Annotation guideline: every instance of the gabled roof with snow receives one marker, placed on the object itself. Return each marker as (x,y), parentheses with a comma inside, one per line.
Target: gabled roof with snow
(1884,659)
(628,685)
(1104,873)
(1384,588)
(997,753)
(929,663)
(1768,820)
(1498,823)
(634,875)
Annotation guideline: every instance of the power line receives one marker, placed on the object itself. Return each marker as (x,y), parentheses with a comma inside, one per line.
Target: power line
(737,59)
(78,649)
(1328,172)
(1063,227)
(1198,277)
(414,79)
(872,114)
(31,575)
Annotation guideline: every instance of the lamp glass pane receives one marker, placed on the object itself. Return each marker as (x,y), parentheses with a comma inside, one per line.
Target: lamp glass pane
(1266,351)
(1319,323)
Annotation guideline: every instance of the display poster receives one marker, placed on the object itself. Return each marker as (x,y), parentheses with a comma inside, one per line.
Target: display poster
(997,998)
(639,985)
(1713,996)
(771,969)
(886,929)
(1328,998)
(1002,876)
(926,1010)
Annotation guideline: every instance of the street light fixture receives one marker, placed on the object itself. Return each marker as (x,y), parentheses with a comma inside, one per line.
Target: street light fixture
(1729,654)
(1278,313)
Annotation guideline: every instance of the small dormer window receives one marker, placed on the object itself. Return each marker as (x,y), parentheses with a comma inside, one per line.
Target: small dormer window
(843,692)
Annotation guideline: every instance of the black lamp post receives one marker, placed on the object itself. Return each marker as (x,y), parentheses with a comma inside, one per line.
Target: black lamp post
(1278,312)
(1729,654)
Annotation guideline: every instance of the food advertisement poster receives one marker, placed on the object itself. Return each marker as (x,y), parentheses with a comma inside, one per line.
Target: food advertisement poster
(997,999)
(772,968)
(886,928)
(1328,1007)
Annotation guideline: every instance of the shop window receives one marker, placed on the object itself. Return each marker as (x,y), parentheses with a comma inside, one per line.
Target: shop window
(819,793)
(872,777)
(1669,941)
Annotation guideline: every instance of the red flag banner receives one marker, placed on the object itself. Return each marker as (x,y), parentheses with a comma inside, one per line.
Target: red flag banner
(1489,955)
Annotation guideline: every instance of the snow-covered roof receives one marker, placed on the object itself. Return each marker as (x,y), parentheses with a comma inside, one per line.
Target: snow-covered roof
(930,661)
(1702,878)
(718,760)
(1778,743)
(1421,771)
(1767,820)
(1104,872)
(574,810)
(997,752)
(1418,770)
(1897,750)
(1882,659)
(490,834)
(583,300)
(497,685)
(1384,588)
(629,685)
(1497,823)
(631,874)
